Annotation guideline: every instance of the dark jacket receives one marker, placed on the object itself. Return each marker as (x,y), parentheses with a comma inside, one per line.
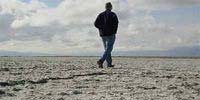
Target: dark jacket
(107,23)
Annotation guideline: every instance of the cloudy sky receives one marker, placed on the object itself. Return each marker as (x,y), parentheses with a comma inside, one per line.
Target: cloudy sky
(66,26)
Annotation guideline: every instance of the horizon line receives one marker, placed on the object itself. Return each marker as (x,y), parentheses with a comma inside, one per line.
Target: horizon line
(191,57)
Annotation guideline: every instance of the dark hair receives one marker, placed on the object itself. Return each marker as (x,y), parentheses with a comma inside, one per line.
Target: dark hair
(108,5)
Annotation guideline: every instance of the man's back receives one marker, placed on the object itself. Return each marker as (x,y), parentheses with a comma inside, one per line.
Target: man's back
(107,23)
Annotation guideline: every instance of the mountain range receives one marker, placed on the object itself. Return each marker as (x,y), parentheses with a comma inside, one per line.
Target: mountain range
(193,51)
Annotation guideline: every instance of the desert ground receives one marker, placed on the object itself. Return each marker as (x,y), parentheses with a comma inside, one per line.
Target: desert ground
(78,78)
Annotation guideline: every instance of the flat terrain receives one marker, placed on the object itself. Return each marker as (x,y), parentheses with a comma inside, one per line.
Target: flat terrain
(78,78)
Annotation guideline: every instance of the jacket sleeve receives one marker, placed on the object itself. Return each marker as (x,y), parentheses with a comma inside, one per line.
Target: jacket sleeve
(115,23)
(97,22)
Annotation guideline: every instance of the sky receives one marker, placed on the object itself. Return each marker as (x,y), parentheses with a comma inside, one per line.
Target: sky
(66,26)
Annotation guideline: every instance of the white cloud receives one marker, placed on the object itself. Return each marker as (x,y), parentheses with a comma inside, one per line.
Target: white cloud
(161,4)
(69,28)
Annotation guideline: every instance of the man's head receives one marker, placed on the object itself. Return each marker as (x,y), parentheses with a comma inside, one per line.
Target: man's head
(108,6)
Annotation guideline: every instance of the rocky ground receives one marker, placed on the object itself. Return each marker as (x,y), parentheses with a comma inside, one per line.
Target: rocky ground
(78,78)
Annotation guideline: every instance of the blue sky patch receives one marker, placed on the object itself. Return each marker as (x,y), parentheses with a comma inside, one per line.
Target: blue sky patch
(178,16)
(50,3)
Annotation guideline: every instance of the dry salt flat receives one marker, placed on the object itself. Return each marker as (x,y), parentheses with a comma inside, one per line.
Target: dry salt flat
(78,78)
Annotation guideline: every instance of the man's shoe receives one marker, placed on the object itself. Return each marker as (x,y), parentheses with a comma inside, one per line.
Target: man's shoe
(111,66)
(100,64)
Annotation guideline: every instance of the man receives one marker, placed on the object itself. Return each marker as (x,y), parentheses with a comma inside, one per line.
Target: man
(107,23)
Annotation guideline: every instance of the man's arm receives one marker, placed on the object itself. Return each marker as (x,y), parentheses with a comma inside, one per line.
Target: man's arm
(115,22)
(97,22)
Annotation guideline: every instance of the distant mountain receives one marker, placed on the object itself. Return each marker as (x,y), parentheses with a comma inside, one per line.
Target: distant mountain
(193,51)
(14,53)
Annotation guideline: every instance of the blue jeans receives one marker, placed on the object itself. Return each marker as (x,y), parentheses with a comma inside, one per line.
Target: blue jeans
(108,42)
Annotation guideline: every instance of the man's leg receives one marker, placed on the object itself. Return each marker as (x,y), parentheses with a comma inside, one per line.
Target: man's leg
(105,44)
(109,47)
(104,40)
(109,60)
(110,44)
(101,61)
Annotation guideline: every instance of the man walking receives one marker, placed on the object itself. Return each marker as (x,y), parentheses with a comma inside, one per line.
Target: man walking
(107,23)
